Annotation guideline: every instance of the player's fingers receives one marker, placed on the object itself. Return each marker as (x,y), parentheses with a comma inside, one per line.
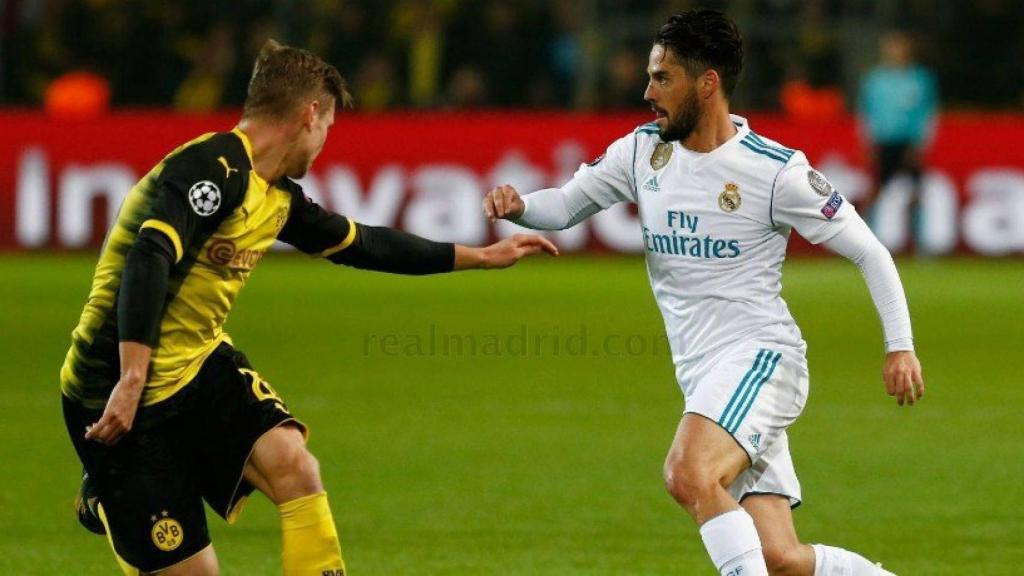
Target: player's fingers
(488,204)
(512,199)
(919,382)
(908,385)
(499,202)
(899,392)
(538,243)
(98,431)
(890,384)
(548,246)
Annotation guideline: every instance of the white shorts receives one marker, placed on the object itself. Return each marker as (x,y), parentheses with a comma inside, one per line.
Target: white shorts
(755,392)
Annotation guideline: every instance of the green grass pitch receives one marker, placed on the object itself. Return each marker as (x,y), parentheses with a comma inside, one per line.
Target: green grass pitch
(514,458)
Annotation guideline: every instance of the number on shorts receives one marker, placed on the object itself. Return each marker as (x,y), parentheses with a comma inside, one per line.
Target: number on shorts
(261,389)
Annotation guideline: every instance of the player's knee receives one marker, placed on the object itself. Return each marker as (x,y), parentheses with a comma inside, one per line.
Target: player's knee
(687,483)
(296,473)
(304,472)
(782,560)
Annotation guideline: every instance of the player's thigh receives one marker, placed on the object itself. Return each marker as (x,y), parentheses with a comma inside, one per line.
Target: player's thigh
(150,494)
(203,563)
(702,447)
(753,393)
(238,407)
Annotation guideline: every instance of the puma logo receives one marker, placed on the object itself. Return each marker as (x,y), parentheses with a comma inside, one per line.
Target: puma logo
(227,169)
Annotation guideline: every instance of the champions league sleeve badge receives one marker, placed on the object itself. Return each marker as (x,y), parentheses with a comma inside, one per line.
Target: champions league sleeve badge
(662,154)
(832,206)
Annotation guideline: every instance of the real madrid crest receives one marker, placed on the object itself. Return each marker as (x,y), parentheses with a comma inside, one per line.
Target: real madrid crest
(729,200)
(662,154)
(167,534)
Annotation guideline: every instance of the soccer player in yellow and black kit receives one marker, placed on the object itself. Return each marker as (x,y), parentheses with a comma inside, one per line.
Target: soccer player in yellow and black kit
(163,411)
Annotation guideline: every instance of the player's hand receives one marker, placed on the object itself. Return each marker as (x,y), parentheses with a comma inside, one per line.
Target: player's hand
(504,253)
(902,375)
(503,203)
(119,413)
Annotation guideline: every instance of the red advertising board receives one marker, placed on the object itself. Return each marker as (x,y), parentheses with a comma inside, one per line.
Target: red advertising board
(61,181)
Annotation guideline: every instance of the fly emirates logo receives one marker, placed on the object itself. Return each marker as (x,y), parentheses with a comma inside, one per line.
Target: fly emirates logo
(684,240)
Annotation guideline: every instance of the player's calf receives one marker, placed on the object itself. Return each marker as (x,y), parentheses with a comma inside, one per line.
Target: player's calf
(788,560)
(283,468)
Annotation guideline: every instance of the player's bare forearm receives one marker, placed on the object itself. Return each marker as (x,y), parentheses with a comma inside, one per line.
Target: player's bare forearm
(119,413)
(502,254)
(903,377)
(134,362)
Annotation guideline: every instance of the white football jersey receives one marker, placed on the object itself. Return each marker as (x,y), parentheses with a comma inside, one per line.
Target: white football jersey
(715,228)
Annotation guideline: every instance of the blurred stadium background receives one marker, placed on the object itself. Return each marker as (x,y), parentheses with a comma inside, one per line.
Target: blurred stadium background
(516,422)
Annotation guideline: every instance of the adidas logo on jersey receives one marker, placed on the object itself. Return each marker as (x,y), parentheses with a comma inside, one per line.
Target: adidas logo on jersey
(652,185)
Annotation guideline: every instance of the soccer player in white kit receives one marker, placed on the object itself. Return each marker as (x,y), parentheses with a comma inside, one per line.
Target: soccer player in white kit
(717,202)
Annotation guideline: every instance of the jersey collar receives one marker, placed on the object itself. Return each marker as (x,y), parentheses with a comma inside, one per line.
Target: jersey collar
(742,129)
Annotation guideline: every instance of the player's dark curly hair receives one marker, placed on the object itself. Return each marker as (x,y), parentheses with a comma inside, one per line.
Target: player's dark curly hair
(704,39)
(284,75)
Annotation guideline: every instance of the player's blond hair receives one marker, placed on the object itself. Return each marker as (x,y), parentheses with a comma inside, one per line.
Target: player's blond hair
(284,76)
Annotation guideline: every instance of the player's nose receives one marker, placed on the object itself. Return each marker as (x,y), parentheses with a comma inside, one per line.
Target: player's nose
(649,93)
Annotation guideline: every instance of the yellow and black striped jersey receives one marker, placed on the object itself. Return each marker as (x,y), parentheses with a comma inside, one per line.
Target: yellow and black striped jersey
(221,218)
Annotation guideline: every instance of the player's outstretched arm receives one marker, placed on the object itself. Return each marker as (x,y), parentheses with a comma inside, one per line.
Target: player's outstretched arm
(341,240)
(902,370)
(548,209)
(502,254)
(388,250)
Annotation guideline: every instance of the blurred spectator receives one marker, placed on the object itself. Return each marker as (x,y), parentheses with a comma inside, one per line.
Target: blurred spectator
(801,99)
(212,64)
(560,53)
(420,26)
(898,106)
(467,89)
(375,84)
(624,81)
(564,51)
(77,96)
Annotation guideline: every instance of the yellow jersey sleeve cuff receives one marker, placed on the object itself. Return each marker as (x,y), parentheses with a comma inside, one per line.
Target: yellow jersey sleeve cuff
(349,239)
(168,231)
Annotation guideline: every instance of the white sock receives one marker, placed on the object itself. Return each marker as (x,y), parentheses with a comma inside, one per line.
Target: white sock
(732,542)
(832,561)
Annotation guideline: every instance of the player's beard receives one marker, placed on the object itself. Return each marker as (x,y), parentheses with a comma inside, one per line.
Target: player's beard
(680,127)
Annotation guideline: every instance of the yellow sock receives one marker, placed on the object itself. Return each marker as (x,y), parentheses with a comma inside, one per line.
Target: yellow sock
(127,568)
(309,541)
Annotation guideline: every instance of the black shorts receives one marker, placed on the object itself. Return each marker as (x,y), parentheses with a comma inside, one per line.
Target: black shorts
(892,161)
(181,451)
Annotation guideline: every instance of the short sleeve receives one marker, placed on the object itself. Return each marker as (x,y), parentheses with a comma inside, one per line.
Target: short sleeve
(805,200)
(192,198)
(608,179)
(313,229)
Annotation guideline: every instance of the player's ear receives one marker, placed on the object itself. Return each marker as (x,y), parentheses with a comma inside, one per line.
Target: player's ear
(709,83)
(309,113)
